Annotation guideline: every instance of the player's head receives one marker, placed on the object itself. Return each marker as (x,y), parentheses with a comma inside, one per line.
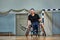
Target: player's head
(32,10)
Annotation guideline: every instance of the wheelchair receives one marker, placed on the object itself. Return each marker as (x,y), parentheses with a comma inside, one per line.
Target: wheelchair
(37,29)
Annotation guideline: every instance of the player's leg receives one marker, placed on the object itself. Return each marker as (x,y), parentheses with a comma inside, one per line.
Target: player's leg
(35,28)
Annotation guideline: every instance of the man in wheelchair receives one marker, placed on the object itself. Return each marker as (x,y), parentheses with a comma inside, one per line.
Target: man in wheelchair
(35,20)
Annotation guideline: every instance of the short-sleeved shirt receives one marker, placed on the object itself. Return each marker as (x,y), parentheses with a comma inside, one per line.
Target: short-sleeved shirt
(33,18)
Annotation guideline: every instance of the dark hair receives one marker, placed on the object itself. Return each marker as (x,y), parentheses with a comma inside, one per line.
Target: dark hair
(32,9)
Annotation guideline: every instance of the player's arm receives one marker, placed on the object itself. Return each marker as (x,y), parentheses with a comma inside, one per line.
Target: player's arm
(40,19)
